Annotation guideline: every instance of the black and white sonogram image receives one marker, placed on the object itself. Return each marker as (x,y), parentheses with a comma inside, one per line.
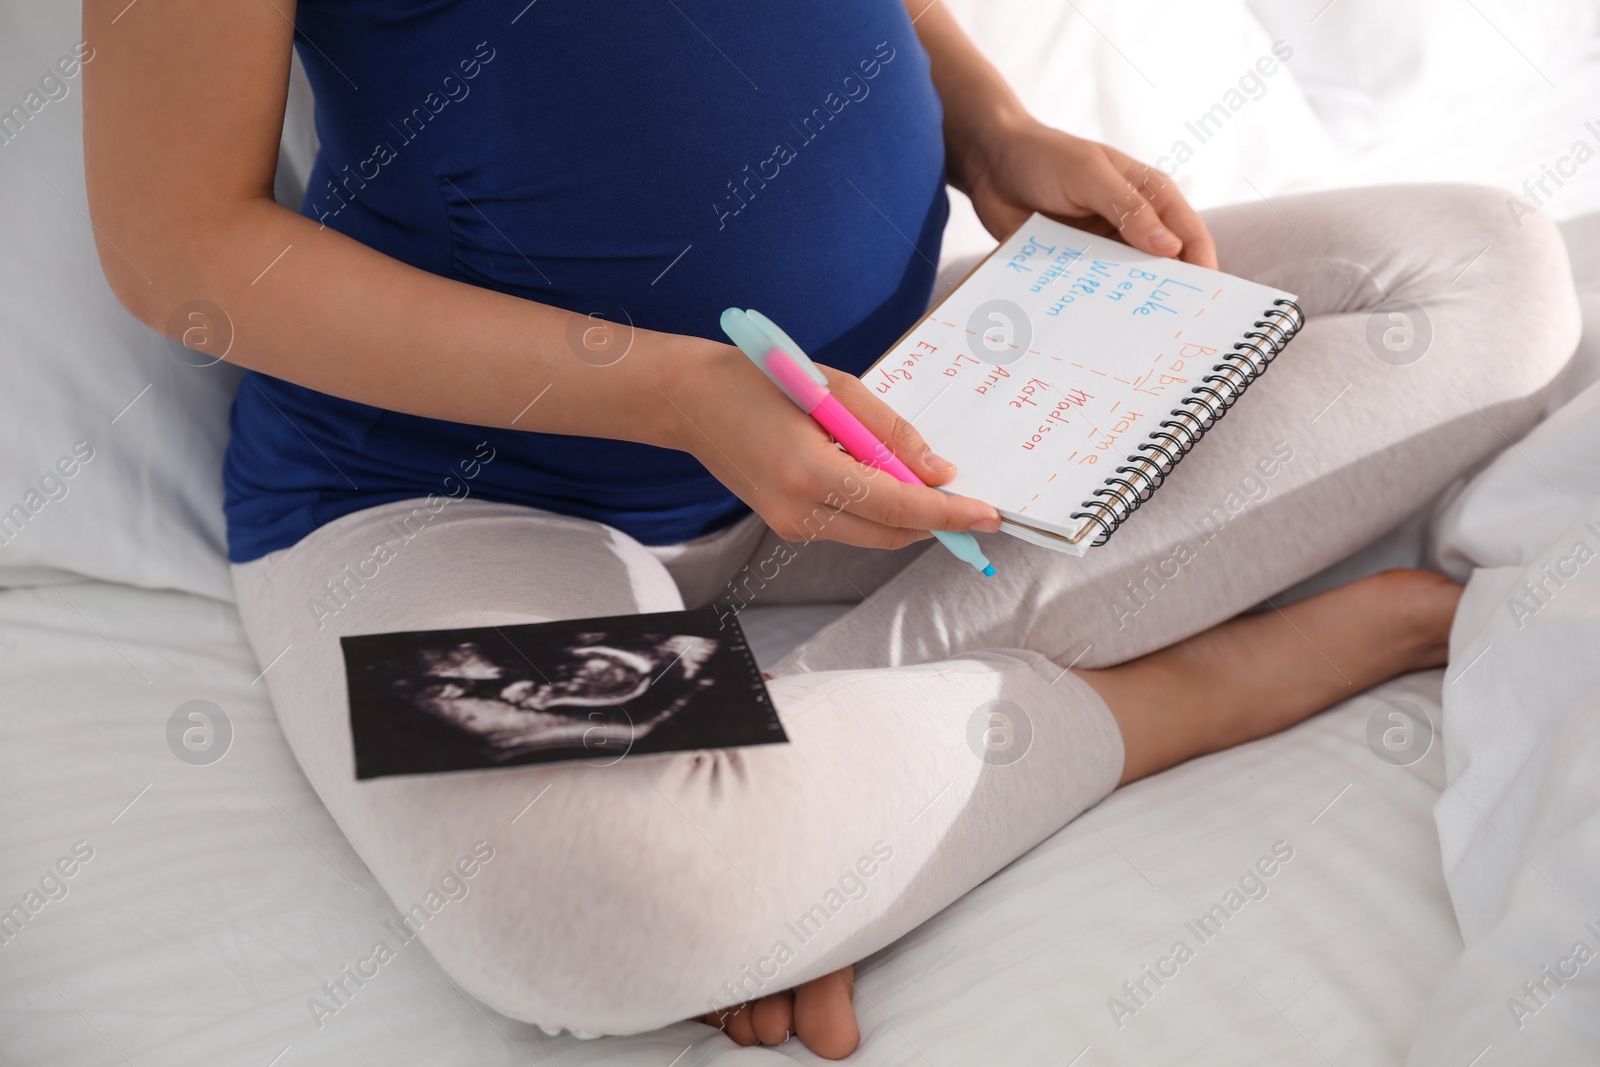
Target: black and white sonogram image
(591,689)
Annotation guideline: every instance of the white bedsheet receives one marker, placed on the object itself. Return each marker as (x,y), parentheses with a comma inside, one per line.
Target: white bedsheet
(219,898)
(1497,92)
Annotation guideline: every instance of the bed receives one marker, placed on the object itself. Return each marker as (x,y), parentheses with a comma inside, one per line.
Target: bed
(210,895)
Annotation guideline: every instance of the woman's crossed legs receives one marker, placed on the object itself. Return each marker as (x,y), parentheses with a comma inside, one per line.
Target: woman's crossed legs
(629,896)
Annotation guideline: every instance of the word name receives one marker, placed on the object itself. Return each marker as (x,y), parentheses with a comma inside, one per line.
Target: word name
(1110,437)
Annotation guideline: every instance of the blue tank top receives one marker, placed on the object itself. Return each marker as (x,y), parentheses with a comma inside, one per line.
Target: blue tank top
(654,161)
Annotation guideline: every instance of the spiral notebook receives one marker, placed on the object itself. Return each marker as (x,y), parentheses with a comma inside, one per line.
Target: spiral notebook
(1069,374)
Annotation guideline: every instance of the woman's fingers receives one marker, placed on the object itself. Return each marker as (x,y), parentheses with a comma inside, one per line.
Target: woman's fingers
(831,522)
(1143,205)
(1093,187)
(806,488)
(915,507)
(847,529)
(1176,213)
(1135,217)
(887,426)
(840,485)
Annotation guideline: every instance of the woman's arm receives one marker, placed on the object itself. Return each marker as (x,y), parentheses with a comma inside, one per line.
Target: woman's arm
(183,110)
(1011,165)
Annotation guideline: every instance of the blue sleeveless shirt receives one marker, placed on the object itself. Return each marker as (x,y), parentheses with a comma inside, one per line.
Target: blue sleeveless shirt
(648,161)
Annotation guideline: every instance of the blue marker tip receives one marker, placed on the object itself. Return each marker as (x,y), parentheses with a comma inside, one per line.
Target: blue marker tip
(988,572)
(965,548)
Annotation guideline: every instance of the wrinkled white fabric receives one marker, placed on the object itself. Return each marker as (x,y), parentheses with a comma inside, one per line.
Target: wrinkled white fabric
(1519,825)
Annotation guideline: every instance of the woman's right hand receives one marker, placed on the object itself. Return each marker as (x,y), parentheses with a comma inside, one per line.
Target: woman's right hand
(775,458)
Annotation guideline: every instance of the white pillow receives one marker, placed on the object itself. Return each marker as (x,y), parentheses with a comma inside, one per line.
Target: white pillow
(1582,236)
(1385,71)
(1354,56)
(111,448)
(1141,75)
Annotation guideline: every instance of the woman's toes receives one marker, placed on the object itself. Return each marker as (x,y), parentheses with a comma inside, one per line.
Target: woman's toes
(740,1027)
(824,1018)
(773,1018)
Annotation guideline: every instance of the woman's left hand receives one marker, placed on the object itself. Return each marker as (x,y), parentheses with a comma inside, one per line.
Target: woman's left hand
(1022,166)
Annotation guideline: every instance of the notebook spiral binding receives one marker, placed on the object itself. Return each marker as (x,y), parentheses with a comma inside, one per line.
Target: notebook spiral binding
(1143,473)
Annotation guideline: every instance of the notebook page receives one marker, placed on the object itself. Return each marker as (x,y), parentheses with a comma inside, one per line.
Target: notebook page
(1047,367)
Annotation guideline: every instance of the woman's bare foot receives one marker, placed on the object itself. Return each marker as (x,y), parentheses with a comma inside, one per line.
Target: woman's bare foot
(819,1013)
(1257,674)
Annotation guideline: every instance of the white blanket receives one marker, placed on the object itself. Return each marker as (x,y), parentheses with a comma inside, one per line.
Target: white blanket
(1519,824)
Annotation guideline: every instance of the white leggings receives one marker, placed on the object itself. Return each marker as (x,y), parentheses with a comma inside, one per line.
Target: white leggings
(630,896)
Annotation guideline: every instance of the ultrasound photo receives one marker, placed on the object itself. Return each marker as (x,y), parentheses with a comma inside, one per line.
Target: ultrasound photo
(595,690)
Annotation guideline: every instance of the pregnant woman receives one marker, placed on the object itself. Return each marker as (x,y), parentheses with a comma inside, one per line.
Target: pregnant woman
(484,387)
